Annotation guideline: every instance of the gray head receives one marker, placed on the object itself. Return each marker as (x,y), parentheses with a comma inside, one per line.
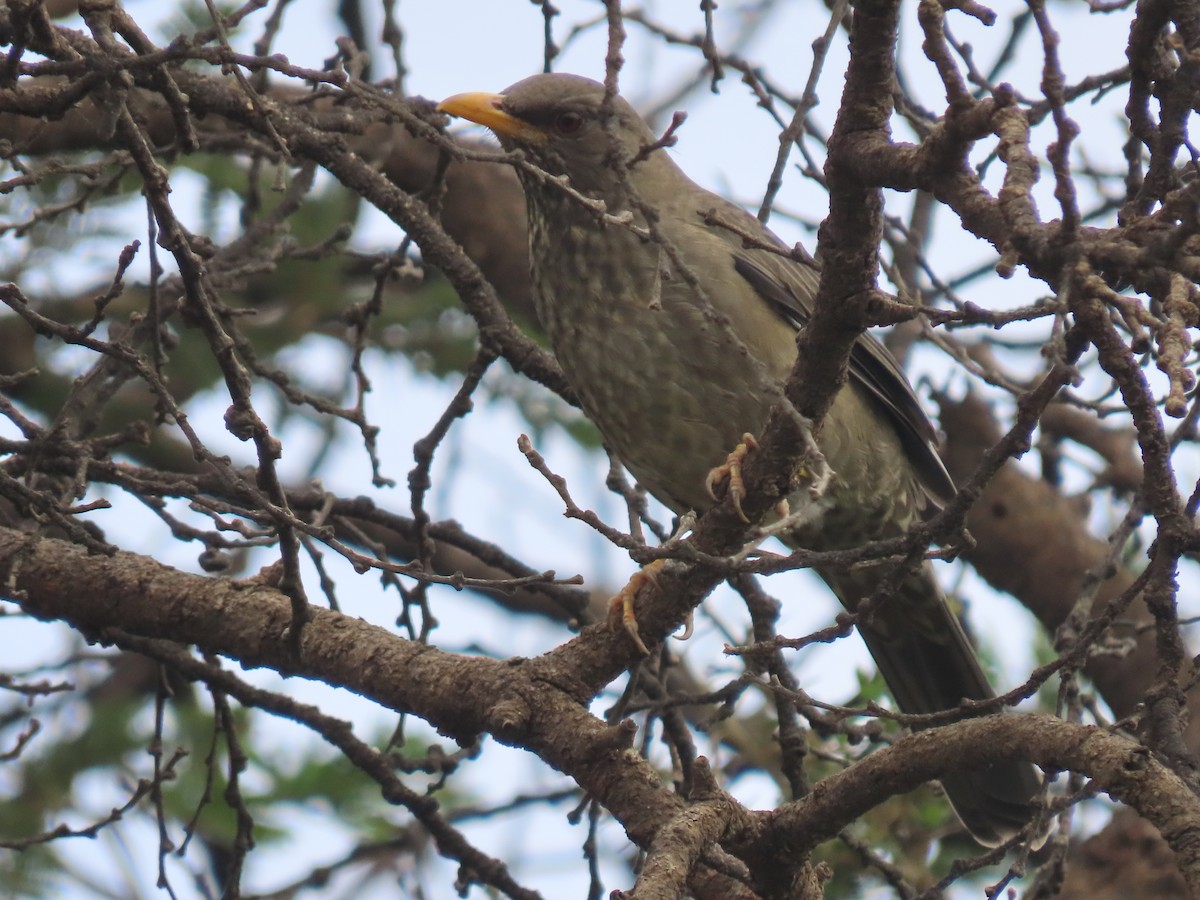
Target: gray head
(562,124)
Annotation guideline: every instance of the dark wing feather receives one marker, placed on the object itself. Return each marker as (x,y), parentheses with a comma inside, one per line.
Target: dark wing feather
(779,282)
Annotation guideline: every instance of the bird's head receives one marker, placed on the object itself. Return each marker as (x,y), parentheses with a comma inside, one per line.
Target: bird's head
(563,125)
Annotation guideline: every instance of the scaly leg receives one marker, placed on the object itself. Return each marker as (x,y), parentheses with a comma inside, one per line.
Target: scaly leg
(621,613)
(731,471)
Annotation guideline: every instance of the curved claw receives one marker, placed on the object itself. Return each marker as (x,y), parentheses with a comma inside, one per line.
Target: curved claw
(621,612)
(731,471)
(689,627)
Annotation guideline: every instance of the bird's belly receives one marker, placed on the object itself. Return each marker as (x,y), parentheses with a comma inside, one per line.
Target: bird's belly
(673,387)
(671,409)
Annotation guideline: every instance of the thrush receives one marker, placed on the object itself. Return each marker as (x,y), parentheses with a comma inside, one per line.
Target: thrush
(677,339)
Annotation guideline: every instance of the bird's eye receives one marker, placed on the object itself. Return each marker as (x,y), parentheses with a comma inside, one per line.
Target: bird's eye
(568,123)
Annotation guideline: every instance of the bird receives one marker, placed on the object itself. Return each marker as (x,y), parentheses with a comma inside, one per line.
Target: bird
(677,333)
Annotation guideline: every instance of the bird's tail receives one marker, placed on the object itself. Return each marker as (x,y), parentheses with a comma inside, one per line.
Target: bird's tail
(929,665)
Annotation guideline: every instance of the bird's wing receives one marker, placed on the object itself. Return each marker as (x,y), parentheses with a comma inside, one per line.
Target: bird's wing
(788,286)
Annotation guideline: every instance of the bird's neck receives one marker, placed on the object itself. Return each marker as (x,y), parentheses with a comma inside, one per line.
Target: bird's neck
(630,192)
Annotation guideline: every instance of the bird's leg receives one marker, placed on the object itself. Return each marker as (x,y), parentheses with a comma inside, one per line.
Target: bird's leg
(813,467)
(731,472)
(621,614)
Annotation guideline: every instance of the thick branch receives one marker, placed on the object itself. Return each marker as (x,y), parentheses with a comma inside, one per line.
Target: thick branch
(529,703)
(1119,766)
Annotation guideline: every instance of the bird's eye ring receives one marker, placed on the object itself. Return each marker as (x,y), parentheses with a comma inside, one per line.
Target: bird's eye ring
(568,123)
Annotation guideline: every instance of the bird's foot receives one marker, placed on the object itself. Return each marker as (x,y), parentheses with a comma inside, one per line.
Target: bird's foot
(813,467)
(731,471)
(621,613)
